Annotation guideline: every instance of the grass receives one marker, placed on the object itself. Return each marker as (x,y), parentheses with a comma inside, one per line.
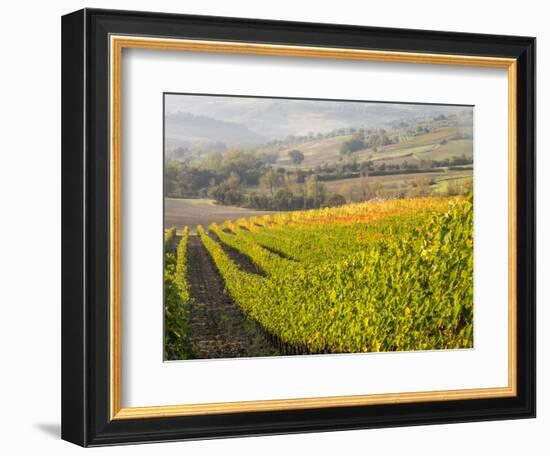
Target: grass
(315,152)
(433,137)
(424,147)
(352,189)
(454,148)
(442,186)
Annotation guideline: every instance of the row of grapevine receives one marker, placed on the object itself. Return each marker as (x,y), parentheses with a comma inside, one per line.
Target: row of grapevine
(270,263)
(176,302)
(408,285)
(364,212)
(169,236)
(300,239)
(309,243)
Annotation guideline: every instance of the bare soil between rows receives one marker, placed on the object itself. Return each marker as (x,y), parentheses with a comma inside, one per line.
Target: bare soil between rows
(217,327)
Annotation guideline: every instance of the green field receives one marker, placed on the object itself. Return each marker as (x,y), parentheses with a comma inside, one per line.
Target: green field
(448,185)
(316,152)
(355,189)
(424,147)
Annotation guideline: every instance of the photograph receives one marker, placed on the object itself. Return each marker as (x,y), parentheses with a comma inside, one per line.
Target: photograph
(272,226)
(313,226)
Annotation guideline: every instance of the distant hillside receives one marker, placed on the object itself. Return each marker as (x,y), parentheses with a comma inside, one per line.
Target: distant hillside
(183,128)
(443,143)
(275,118)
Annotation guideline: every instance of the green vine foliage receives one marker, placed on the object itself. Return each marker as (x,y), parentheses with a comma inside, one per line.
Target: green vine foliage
(169,238)
(176,302)
(405,282)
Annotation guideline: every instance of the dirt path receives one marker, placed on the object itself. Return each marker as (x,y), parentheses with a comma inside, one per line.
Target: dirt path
(218,329)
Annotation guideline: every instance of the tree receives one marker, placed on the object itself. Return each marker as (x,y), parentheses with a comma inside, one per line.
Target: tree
(315,192)
(373,190)
(364,186)
(228,192)
(269,158)
(347,189)
(421,187)
(283,199)
(233,181)
(271,180)
(240,162)
(296,157)
(213,161)
(336,200)
(354,144)
(259,201)
(171,177)
(180,152)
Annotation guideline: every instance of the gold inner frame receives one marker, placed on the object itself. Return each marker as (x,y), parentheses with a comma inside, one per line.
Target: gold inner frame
(117,44)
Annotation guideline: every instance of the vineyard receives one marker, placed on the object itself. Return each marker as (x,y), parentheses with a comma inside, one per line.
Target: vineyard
(176,299)
(391,275)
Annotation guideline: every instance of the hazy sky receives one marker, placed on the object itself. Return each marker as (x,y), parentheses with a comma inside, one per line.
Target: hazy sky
(214,106)
(276,118)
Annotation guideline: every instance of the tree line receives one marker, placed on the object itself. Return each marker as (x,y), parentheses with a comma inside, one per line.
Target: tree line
(228,179)
(247,179)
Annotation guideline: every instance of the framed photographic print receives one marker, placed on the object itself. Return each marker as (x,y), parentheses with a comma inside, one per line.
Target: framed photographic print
(279,227)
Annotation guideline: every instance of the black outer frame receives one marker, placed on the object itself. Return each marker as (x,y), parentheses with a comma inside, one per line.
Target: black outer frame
(85,227)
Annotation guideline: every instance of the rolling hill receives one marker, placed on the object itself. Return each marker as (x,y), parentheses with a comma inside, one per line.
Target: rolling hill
(443,143)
